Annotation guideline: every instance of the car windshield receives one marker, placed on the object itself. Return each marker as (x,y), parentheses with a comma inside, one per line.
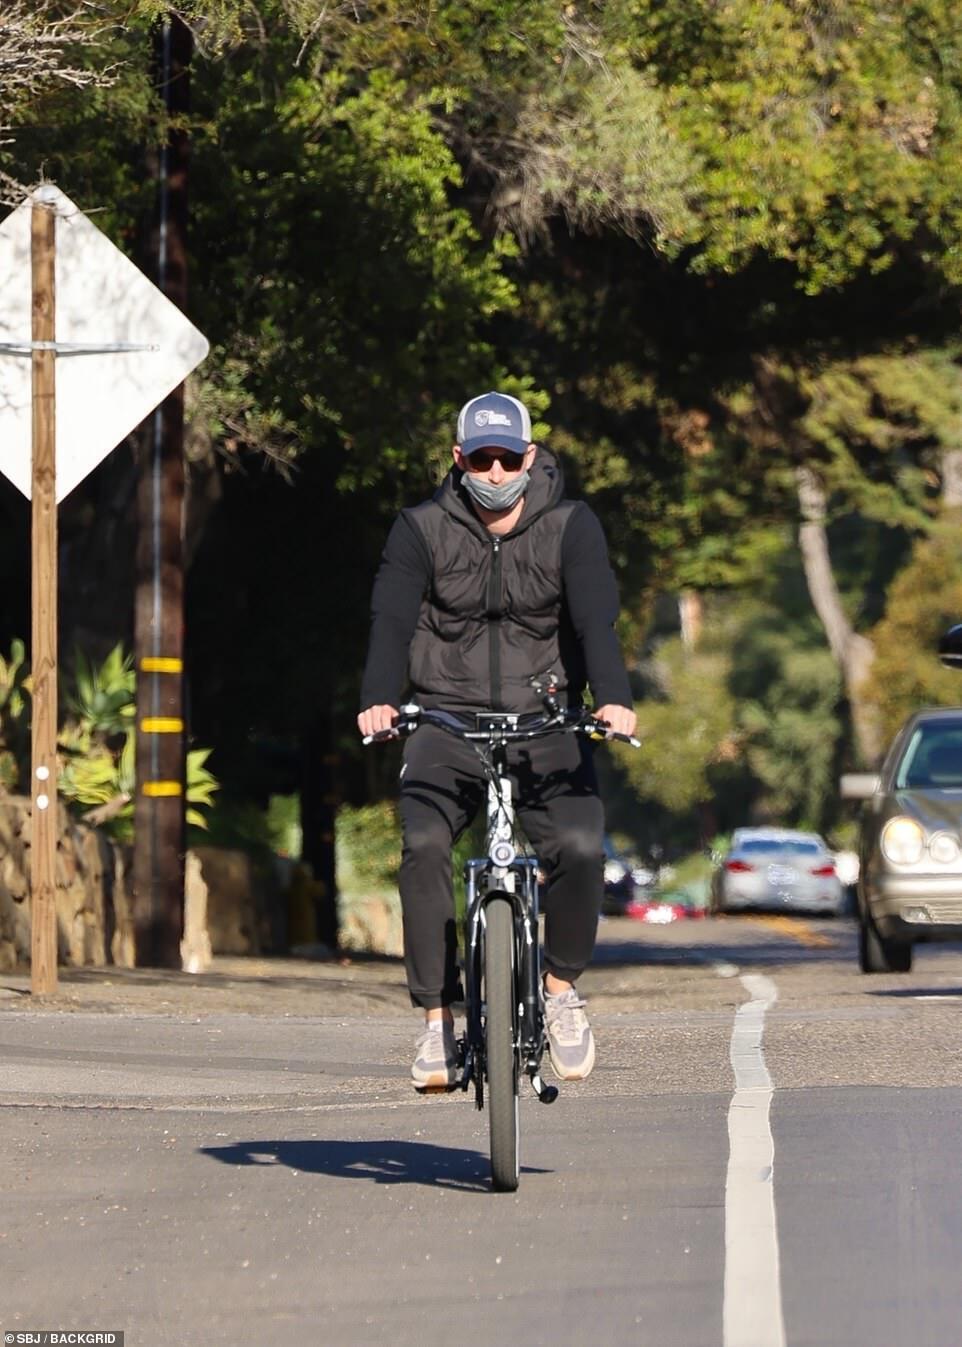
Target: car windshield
(792,846)
(932,759)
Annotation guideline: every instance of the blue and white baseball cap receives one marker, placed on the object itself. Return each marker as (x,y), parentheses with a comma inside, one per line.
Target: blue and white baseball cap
(494,419)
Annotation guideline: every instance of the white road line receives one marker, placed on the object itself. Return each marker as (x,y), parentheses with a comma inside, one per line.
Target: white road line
(752,1313)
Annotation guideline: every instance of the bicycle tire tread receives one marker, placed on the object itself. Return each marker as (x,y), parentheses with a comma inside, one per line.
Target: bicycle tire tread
(502,1067)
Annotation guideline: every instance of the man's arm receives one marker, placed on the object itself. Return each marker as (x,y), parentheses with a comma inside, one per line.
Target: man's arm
(402,578)
(592,598)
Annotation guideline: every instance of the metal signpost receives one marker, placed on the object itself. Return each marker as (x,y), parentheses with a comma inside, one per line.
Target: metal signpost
(66,284)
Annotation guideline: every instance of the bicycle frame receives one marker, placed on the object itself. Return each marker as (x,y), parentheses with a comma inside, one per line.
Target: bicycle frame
(505,874)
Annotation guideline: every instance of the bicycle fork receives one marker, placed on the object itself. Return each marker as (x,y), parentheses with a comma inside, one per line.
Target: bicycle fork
(518,883)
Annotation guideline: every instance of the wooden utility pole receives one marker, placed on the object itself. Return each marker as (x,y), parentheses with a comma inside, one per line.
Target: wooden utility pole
(151,346)
(43,652)
(159,814)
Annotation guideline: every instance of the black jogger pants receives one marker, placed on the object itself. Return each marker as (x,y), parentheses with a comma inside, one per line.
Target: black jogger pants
(557,804)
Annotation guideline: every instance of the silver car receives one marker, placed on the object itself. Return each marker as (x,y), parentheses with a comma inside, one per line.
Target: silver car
(777,869)
(910,846)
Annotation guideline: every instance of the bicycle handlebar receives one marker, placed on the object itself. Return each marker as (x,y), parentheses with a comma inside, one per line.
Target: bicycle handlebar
(558,721)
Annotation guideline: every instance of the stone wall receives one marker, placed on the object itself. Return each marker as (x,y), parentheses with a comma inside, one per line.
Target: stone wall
(234,904)
(246,911)
(93,913)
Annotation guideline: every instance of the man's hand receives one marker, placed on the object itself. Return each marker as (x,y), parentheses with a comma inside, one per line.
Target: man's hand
(376,718)
(617,718)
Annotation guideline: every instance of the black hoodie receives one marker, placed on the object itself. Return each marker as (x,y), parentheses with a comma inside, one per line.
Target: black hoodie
(469,616)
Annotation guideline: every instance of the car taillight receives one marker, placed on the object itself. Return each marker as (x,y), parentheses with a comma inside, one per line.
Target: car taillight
(738,867)
(824,871)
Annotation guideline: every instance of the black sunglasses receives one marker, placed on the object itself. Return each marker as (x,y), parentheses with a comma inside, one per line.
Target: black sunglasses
(482,459)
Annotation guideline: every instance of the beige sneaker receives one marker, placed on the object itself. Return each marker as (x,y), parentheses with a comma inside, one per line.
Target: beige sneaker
(436,1057)
(571,1044)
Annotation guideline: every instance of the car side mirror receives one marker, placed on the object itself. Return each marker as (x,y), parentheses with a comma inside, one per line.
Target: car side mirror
(950,647)
(859,785)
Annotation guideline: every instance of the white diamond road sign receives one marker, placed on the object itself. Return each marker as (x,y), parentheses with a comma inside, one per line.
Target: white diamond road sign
(103,304)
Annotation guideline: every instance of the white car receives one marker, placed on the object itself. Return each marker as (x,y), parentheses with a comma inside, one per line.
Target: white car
(777,869)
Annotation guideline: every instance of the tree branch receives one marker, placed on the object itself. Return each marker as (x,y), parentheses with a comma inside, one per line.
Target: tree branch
(35,47)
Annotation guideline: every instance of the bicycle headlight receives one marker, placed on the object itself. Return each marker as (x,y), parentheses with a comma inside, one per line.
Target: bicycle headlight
(502,853)
(902,841)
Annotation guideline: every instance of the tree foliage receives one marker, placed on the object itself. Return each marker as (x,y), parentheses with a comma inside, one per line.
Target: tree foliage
(707,242)
(683,731)
(788,718)
(925,599)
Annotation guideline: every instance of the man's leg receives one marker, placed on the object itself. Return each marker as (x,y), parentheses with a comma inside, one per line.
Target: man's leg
(562,814)
(440,792)
(564,819)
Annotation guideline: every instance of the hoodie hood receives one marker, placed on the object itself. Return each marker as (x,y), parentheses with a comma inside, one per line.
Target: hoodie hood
(545,490)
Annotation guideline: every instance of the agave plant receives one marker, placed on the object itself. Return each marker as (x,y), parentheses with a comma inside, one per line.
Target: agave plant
(92,779)
(201,785)
(98,772)
(14,721)
(101,697)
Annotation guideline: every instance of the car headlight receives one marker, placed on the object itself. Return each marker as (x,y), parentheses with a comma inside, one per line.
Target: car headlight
(902,841)
(944,848)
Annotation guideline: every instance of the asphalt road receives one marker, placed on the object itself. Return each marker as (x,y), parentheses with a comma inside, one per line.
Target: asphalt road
(767,1153)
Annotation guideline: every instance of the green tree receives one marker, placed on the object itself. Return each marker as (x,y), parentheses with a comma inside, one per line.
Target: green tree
(683,731)
(924,600)
(716,247)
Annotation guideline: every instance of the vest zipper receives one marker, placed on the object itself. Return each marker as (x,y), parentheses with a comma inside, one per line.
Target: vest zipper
(494,624)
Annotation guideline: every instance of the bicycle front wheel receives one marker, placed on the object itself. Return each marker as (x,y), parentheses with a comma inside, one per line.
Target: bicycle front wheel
(504,1111)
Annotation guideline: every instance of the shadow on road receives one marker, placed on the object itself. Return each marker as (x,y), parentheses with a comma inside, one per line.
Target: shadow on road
(947,993)
(380,1161)
(146,977)
(778,950)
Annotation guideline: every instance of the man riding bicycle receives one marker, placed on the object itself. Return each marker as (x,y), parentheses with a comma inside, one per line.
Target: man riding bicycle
(495,579)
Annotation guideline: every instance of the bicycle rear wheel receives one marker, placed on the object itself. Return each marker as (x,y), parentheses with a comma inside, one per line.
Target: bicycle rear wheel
(504,1111)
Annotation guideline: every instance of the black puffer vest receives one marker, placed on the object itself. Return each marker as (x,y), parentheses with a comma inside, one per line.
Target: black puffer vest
(493,614)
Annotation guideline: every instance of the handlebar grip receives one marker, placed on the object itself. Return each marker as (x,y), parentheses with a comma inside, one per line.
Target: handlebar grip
(380,736)
(407,721)
(596,729)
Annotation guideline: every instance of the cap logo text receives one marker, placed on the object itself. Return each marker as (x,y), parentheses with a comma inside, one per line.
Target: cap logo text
(489,418)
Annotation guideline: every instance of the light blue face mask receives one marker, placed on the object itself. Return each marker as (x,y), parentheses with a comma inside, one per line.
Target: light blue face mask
(496,497)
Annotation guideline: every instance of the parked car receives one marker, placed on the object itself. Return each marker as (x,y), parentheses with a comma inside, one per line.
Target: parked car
(777,869)
(660,910)
(626,877)
(910,845)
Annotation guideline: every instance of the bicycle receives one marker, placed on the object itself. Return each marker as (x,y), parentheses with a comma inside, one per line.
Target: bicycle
(505,1030)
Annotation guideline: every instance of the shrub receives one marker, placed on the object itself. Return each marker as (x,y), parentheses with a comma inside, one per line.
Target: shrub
(368,842)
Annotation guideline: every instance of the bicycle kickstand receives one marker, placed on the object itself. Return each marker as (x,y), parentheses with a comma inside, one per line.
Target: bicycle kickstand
(547,1094)
(470,1072)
